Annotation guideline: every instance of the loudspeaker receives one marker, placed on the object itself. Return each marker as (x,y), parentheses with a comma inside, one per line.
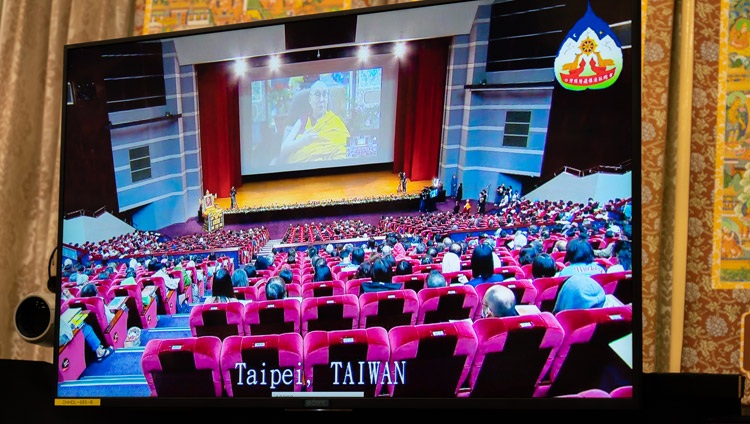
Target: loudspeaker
(34,319)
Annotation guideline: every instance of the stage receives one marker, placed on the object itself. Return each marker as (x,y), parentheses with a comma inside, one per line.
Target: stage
(320,197)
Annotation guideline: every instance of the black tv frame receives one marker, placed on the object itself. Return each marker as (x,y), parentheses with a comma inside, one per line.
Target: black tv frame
(541,405)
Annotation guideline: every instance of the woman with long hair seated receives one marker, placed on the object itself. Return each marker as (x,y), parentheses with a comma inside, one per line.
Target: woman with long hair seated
(222,289)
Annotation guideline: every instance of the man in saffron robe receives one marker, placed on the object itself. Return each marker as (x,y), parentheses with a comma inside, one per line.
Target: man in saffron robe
(320,136)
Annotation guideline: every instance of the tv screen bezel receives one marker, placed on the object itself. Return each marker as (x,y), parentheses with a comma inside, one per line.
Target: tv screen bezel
(362,404)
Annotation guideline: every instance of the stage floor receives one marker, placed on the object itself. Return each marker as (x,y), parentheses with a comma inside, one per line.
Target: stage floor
(302,190)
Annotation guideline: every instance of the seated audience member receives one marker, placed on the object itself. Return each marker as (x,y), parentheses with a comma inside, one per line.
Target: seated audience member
(543,265)
(322,273)
(250,271)
(560,246)
(580,292)
(358,257)
(624,254)
(263,262)
(499,301)
(526,255)
(161,271)
(92,340)
(221,290)
(452,258)
(436,279)
(403,267)
(381,275)
(275,288)
(579,258)
(286,274)
(482,266)
(129,279)
(363,270)
(89,290)
(239,278)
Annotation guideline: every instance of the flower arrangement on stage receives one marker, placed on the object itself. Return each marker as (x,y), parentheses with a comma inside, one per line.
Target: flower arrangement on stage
(325,202)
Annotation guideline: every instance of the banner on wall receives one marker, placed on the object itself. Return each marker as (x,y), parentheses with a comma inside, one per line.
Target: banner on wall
(159,16)
(731,253)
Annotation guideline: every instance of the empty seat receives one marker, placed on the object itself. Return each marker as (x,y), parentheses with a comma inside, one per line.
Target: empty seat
(355,286)
(245,359)
(442,304)
(272,317)
(618,284)
(330,313)
(592,351)
(353,360)
(546,292)
(430,360)
(388,309)
(183,367)
(323,288)
(513,354)
(217,319)
(247,293)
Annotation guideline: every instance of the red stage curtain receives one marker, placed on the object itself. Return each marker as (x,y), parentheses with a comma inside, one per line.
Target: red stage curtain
(218,103)
(419,109)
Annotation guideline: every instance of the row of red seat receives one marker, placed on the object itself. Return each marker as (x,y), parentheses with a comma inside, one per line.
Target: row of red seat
(537,355)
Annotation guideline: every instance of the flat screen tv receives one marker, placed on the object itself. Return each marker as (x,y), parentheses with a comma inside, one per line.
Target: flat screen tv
(206,171)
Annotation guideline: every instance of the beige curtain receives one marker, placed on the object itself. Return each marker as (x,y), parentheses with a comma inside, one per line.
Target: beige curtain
(32,36)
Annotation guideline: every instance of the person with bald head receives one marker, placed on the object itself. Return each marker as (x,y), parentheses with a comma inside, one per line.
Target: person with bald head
(319,135)
(499,301)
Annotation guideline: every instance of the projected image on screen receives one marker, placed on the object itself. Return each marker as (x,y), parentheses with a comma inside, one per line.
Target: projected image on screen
(332,117)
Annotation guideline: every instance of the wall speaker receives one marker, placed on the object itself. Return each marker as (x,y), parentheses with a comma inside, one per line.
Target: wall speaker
(34,319)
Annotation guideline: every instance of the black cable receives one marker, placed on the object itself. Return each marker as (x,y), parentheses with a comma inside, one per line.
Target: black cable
(52,279)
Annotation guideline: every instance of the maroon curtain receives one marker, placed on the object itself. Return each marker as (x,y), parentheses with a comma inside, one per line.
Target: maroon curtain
(218,103)
(419,109)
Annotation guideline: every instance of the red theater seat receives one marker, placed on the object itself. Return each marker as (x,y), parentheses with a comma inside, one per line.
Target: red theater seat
(524,291)
(388,309)
(430,360)
(330,313)
(183,367)
(513,354)
(139,315)
(588,358)
(279,356)
(443,304)
(333,360)
(114,332)
(546,292)
(217,319)
(247,293)
(272,317)
(166,298)
(414,282)
(618,284)
(323,288)
(355,286)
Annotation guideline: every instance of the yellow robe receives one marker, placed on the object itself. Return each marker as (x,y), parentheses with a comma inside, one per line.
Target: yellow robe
(330,143)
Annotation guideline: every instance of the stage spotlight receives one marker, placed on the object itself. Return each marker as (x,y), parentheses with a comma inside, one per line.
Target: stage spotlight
(240,66)
(274,62)
(399,49)
(363,53)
